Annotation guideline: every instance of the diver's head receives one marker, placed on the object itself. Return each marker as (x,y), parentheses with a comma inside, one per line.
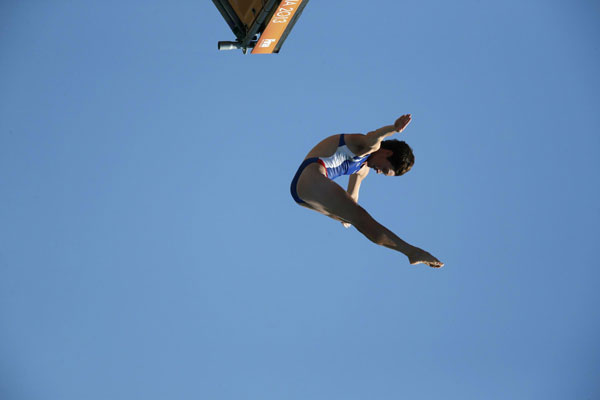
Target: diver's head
(394,158)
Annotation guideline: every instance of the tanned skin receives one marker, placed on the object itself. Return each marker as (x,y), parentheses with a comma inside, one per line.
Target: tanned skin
(325,196)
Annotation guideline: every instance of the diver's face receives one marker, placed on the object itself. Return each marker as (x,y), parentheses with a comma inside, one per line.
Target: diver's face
(380,163)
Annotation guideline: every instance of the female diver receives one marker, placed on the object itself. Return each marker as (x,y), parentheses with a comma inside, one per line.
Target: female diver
(354,154)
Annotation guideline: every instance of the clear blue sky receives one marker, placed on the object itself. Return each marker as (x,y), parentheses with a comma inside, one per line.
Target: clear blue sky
(149,247)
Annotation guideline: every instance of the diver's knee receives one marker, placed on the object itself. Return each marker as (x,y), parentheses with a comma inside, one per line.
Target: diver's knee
(369,227)
(361,219)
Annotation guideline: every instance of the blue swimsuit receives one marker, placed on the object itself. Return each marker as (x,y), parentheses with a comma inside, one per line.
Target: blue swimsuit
(342,162)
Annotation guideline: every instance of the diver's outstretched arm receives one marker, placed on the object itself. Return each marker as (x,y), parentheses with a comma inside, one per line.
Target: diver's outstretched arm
(374,138)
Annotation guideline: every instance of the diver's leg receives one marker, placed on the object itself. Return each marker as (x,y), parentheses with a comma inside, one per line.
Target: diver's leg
(327,197)
(299,201)
(324,213)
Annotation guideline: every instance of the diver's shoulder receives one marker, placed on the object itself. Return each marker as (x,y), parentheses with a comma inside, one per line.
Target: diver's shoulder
(358,144)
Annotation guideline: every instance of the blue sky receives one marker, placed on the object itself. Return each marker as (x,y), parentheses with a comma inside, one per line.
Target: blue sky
(149,247)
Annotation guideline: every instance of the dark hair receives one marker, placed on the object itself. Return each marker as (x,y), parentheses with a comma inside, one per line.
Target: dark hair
(403,158)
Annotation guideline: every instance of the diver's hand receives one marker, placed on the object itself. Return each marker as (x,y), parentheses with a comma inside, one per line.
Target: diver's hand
(346,225)
(402,122)
(419,256)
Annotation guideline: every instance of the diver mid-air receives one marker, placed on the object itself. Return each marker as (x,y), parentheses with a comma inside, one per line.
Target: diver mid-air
(354,154)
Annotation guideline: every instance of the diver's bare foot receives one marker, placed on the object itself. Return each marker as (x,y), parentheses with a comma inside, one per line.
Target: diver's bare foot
(419,256)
